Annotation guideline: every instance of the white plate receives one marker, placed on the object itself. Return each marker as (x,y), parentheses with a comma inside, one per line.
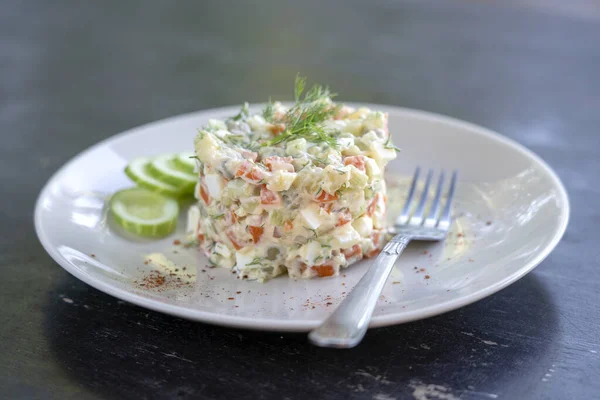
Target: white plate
(511,211)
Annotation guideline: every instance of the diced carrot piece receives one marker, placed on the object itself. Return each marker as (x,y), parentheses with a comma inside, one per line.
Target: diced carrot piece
(354,251)
(376,237)
(249,170)
(373,253)
(325,197)
(256,174)
(233,240)
(377,242)
(288,226)
(243,169)
(276,129)
(372,207)
(358,161)
(323,270)
(231,217)
(204,193)
(201,237)
(256,232)
(343,218)
(268,196)
(327,207)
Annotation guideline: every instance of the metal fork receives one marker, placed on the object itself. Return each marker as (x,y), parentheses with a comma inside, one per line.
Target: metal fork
(348,324)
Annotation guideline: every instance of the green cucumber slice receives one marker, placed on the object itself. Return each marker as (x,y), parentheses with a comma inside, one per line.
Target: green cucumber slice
(185,163)
(163,167)
(144,213)
(138,171)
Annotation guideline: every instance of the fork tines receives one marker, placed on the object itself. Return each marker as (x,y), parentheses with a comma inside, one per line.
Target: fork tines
(434,218)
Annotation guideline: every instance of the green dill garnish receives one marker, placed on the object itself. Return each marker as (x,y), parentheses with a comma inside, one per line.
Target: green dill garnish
(317,258)
(341,189)
(340,171)
(299,86)
(389,145)
(268,111)
(305,118)
(255,261)
(243,114)
(326,246)
(196,157)
(314,231)
(238,140)
(218,216)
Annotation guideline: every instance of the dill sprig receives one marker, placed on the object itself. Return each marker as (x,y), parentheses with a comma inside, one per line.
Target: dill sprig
(305,118)
(256,261)
(268,111)
(243,114)
(389,145)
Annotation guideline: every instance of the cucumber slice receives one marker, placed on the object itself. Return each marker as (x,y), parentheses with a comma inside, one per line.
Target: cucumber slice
(138,171)
(144,213)
(163,167)
(185,163)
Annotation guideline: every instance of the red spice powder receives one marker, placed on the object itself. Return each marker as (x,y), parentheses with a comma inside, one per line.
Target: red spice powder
(153,281)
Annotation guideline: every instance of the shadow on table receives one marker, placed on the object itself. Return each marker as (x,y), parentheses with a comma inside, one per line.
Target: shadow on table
(120,350)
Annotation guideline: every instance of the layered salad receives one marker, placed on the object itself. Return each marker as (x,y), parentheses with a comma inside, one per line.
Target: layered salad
(293,189)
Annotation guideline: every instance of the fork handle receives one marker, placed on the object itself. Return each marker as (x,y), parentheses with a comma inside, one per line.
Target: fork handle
(347,325)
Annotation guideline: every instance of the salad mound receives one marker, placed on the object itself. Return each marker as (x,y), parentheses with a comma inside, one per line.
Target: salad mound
(296,190)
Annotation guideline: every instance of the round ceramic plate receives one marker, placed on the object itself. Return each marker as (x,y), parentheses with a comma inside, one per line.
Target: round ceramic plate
(510,212)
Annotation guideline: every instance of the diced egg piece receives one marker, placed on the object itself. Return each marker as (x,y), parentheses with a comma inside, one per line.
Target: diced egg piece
(192,220)
(378,222)
(345,143)
(311,251)
(376,120)
(382,154)
(215,184)
(207,148)
(345,236)
(354,127)
(296,147)
(373,170)
(221,249)
(334,178)
(311,217)
(242,259)
(256,122)
(363,225)
(281,180)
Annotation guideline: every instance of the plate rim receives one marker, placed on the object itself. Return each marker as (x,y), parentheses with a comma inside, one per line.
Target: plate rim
(274,324)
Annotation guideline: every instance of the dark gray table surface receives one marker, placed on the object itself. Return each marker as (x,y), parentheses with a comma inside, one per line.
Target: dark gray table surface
(73,73)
